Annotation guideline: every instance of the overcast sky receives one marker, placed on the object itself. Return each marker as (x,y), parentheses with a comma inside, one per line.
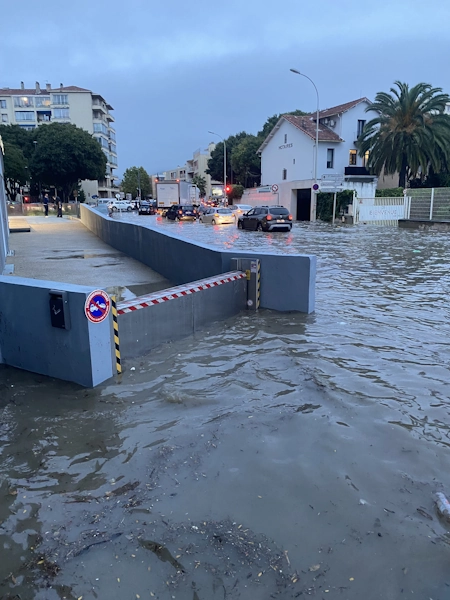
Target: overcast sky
(174,70)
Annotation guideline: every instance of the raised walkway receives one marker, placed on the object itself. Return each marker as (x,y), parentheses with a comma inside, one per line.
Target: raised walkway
(65,250)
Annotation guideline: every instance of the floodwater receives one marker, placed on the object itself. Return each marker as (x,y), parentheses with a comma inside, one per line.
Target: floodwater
(270,456)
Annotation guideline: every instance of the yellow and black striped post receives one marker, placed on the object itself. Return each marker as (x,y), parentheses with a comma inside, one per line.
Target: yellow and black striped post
(116,334)
(258,284)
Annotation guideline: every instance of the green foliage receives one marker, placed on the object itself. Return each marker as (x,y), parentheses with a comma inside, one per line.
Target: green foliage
(81,195)
(16,173)
(246,162)
(235,193)
(23,139)
(132,178)
(200,182)
(390,193)
(324,210)
(272,121)
(64,155)
(410,132)
(215,163)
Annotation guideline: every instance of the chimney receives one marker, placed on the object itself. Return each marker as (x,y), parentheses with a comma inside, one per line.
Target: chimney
(22,86)
(38,88)
(48,87)
(61,86)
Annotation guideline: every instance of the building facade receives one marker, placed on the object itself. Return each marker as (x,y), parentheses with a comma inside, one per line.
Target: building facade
(288,155)
(195,166)
(31,108)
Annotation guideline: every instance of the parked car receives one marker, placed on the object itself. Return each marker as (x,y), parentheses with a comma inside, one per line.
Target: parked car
(116,205)
(217,216)
(146,208)
(177,212)
(240,209)
(266,218)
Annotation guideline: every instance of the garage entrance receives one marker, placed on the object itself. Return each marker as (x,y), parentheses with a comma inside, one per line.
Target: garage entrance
(304,204)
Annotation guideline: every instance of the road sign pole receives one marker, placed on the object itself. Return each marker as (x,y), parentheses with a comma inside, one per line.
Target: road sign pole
(334,207)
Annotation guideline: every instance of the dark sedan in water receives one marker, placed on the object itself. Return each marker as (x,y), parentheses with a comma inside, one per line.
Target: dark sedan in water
(266,218)
(177,212)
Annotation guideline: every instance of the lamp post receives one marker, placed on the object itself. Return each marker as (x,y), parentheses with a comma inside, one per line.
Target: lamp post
(39,182)
(224,163)
(317,119)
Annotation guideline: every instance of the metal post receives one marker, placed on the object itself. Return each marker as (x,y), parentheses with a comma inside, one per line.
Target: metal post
(334,207)
(224,163)
(431,204)
(317,121)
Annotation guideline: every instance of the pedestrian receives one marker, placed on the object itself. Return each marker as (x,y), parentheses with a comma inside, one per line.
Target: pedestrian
(45,202)
(59,206)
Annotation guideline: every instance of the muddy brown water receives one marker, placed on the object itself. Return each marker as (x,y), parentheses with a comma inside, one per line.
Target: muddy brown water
(273,455)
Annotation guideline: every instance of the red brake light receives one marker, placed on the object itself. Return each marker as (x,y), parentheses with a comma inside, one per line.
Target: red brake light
(180,212)
(269,218)
(290,217)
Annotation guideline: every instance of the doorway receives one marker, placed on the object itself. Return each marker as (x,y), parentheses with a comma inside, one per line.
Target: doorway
(304,204)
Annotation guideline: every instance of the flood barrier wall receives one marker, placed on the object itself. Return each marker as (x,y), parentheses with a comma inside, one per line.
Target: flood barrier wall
(287,281)
(82,353)
(149,321)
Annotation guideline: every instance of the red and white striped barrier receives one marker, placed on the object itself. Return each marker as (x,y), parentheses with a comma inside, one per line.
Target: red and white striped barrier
(177,292)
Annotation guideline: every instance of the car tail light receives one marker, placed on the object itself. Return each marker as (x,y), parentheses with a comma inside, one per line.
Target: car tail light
(290,217)
(180,212)
(269,218)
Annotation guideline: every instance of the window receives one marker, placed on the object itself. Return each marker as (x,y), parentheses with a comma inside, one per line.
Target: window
(60,113)
(42,100)
(330,158)
(27,127)
(23,101)
(285,138)
(2,103)
(25,115)
(284,176)
(112,135)
(360,127)
(100,128)
(4,118)
(352,157)
(60,99)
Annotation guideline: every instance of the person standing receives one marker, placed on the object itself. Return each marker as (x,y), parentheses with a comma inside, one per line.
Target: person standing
(45,202)
(59,206)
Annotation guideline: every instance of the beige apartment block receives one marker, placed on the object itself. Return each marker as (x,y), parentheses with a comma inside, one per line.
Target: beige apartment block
(32,107)
(196,165)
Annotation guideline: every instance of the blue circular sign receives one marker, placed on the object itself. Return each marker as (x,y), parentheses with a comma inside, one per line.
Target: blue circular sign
(97,306)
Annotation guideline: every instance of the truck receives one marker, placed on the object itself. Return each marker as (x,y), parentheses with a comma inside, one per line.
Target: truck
(172,191)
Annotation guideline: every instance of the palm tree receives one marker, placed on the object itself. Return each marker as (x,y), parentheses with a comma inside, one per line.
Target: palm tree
(410,133)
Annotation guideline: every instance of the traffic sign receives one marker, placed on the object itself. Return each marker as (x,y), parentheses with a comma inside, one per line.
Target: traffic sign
(97,305)
(333,177)
(274,188)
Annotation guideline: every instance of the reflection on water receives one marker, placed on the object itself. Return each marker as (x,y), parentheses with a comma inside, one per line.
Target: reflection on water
(379,336)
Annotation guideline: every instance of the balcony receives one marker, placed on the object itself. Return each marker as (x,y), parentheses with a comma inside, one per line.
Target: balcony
(109,117)
(99,106)
(356,172)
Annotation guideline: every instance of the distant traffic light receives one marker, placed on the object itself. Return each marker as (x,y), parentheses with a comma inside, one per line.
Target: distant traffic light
(228,189)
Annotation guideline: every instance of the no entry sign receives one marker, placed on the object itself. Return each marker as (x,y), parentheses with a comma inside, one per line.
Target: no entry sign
(97,306)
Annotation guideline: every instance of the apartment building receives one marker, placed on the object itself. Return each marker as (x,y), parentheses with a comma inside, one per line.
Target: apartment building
(196,165)
(32,107)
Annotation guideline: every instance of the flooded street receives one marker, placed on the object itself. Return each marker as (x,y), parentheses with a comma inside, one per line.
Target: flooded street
(269,456)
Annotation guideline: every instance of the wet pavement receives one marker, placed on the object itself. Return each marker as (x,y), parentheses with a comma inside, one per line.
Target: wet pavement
(273,455)
(64,250)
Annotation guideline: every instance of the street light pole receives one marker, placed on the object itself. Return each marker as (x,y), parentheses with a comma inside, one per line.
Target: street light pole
(317,120)
(224,163)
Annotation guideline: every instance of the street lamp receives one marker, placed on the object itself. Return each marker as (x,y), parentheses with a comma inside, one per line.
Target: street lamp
(224,163)
(317,119)
(40,194)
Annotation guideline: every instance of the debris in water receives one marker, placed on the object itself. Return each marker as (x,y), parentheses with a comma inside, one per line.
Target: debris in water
(363,502)
(443,505)
(424,513)
(314,568)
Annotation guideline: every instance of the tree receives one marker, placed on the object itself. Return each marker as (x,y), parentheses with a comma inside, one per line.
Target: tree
(136,178)
(410,133)
(16,169)
(246,161)
(200,182)
(64,155)
(21,138)
(235,193)
(272,121)
(215,163)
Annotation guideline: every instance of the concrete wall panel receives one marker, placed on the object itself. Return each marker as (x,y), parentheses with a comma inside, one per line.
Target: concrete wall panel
(287,281)
(81,354)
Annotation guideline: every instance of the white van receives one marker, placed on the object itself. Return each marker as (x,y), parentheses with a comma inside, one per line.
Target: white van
(104,201)
(115,205)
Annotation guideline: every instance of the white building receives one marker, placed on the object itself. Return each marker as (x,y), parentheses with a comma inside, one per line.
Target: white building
(288,152)
(30,108)
(196,165)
